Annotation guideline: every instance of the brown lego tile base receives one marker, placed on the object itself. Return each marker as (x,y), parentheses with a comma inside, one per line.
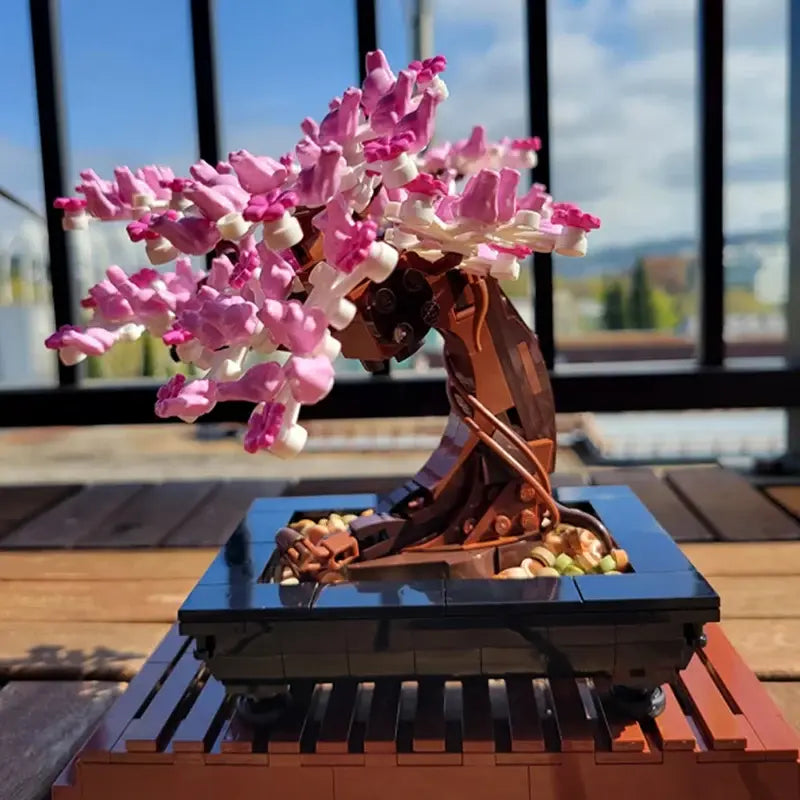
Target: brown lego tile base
(174,735)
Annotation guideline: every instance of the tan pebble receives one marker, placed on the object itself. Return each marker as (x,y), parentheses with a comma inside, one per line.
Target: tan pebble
(514,573)
(348,518)
(554,542)
(620,559)
(302,524)
(543,555)
(587,561)
(323,522)
(290,581)
(316,532)
(368,512)
(531,565)
(336,523)
(548,572)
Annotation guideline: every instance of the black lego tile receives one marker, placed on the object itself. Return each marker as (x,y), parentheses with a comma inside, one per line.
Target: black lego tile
(380,600)
(239,562)
(265,602)
(545,595)
(665,590)
(324,503)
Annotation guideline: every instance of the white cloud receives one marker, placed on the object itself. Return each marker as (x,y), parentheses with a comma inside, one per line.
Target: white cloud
(623,107)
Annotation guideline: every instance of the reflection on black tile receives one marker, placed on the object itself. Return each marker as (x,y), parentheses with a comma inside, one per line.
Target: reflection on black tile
(687,590)
(255,601)
(380,599)
(553,595)
(238,562)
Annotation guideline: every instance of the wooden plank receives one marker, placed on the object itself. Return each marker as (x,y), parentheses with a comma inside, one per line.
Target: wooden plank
(41,724)
(786,695)
(476,716)
(384,715)
(20,503)
(73,650)
(216,518)
(720,724)
(523,718)
(774,732)
(149,517)
(770,647)
(146,733)
(740,559)
(429,720)
(196,731)
(98,601)
(730,506)
(574,728)
(758,597)
(668,509)
(786,496)
(672,729)
(337,721)
(105,565)
(74,517)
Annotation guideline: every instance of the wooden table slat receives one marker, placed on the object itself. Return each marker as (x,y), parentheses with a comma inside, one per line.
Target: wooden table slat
(20,503)
(731,506)
(668,509)
(149,517)
(74,517)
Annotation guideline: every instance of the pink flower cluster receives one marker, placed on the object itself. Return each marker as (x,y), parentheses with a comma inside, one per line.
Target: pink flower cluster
(376,186)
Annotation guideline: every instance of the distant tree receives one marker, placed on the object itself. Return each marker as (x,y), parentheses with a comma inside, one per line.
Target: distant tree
(667,312)
(614,306)
(641,312)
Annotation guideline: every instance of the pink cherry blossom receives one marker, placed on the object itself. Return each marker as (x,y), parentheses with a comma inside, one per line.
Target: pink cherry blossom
(71,205)
(310,379)
(257,174)
(185,399)
(571,216)
(90,341)
(269,207)
(428,69)
(259,384)
(387,147)
(264,426)
(194,236)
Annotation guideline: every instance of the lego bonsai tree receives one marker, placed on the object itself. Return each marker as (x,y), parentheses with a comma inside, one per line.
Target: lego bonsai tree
(358,243)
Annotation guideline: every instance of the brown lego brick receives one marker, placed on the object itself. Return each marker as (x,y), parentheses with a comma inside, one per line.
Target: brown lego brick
(662,502)
(539,739)
(729,505)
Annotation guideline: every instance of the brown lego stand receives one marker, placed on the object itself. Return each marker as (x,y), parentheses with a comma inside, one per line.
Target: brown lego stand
(174,735)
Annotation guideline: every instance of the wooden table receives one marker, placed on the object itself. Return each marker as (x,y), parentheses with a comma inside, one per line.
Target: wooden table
(91,578)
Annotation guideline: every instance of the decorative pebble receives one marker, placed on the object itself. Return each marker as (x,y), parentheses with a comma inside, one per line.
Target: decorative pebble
(548,572)
(290,581)
(543,555)
(513,573)
(348,518)
(613,572)
(531,565)
(562,562)
(572,570)
(607,564)
(336,523)
(554,542)
(302,524)
(316,532)
(620,559)
(368,512)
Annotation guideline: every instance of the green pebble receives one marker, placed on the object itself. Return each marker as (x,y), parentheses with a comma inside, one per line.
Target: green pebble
(573,569)
(613,572)
(607,564)
(562,562)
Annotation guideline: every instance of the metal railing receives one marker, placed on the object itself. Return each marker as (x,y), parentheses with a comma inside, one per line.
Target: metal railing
(709,380)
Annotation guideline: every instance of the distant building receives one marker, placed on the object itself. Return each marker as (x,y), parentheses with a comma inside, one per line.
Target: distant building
(771,281)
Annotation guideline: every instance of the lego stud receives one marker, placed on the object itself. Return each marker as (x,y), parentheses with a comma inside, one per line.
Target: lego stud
(399,171)
(502,525)
(527,494)
(429,313)
(528,520)
(232,227)
(385,301)
(78,221)
(282,233)
(525,218)
(160,251)
(290,442)
(571,242)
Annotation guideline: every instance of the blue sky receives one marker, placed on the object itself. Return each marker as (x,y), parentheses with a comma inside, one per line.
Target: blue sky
(623,93)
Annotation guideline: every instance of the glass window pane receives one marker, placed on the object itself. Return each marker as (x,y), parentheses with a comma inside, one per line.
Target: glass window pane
(622,109)
(756,253)
(26,316)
